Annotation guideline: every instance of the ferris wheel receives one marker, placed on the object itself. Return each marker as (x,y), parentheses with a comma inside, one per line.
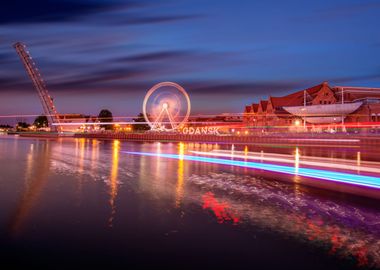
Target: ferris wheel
(166,107)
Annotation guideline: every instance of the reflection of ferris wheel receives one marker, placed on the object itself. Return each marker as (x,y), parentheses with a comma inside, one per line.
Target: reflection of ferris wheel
(166,107)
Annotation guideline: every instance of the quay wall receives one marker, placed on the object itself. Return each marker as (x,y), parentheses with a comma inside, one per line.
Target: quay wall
(294,139)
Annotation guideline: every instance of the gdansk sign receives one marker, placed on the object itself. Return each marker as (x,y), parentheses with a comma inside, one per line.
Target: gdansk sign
(200,131)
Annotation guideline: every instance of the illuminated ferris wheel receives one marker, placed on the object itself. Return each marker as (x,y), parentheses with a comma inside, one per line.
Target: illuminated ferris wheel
(166,107)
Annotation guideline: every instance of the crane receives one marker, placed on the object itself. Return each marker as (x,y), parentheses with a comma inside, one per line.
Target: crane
(46,100)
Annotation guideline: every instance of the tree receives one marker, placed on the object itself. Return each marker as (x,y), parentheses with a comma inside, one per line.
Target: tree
(41,121)
(5,126)
(22,126)
(140,119)
(105,116)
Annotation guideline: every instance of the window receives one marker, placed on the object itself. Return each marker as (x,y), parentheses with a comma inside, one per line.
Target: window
(320,102)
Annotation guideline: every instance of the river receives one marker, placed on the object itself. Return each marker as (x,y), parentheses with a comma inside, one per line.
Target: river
(81,202)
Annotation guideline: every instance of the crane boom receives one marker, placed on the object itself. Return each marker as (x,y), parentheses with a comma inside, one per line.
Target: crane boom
(46,100)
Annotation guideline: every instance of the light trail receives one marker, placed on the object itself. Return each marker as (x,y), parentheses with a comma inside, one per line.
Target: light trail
(346,178)
(231,124)
(205,122)
(281,158)
(325,140)
(123,123)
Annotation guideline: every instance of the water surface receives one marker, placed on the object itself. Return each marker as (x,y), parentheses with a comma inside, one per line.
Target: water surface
(78,202)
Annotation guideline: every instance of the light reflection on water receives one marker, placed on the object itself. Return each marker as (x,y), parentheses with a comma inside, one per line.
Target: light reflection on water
(222,210)
(341,228)
(180,172)
(231,195)
(36,177)
(114,179)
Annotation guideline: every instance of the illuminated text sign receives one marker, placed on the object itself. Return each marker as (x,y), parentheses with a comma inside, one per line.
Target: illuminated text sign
(200,131)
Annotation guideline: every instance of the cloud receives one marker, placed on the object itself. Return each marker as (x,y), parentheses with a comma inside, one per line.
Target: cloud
(247,88)
(14,12)
(208,90)
(154,19)
(50,11)
(5,81)
(115,73)
(5,57)
(338,12)
(97,79)
(348,10)
(359,78)
(127,80)
(156,56)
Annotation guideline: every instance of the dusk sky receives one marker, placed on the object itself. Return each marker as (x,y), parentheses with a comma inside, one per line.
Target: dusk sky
(107,54)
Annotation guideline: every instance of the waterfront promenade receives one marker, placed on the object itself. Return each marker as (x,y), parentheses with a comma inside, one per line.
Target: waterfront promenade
(294,139)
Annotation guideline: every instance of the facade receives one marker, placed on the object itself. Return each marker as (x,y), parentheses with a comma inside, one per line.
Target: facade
(318,107)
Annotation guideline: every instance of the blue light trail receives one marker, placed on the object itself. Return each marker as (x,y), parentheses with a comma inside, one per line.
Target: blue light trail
(353,179)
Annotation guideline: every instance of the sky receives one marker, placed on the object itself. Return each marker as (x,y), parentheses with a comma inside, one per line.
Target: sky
(225,53)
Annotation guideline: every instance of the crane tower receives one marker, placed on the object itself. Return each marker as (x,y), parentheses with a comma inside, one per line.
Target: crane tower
(35,76)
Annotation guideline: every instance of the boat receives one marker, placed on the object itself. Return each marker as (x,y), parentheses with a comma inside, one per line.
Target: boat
(330,110)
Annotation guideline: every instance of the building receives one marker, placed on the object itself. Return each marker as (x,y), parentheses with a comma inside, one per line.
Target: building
(77,122)
(319,107)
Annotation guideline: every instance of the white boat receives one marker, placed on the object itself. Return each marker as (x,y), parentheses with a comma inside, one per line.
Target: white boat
(336,109)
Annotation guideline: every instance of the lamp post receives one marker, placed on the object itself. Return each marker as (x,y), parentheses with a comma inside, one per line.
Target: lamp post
(304,105)
(343,127)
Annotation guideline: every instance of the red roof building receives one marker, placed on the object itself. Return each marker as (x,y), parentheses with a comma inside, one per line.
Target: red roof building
(320,104)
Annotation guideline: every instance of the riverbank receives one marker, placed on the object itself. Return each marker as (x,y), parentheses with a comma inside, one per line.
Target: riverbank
(347,140)
(41,134)
(291,139)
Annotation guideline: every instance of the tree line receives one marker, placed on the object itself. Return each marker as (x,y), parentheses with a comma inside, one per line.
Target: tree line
(105,116)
